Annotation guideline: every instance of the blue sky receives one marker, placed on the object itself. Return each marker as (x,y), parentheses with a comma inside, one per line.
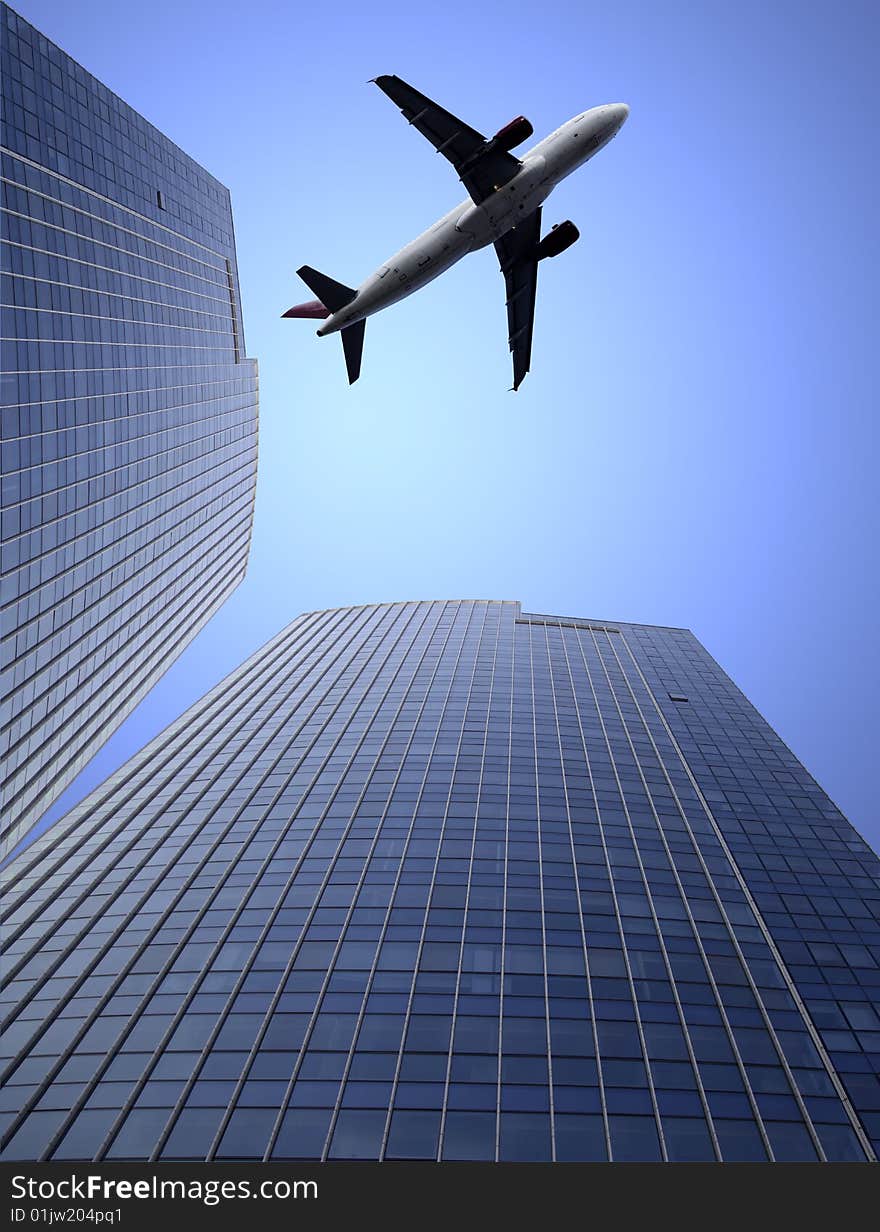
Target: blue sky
(696,443)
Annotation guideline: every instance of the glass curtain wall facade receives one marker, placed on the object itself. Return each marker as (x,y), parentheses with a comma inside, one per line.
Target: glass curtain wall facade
(450,881)
(129,414)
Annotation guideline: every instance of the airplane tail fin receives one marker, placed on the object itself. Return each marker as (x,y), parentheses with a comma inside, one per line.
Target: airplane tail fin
(353,346)
(331,297)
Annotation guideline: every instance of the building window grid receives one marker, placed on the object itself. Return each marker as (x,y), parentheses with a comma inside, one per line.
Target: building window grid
(177,483)
(504,898)
(140,669)
(326,879)
(207,371)
(519,653)
(733,937)
(143,947)
(608,866)
(153,444)
(20,280)
(406,619)
(31,334)
(33,256)
(56,313)
(48,670)
(719,899)
(456,997)
(229,568)
(697,736)
(177,349)
(72,444)
(505,883)
(539,782)
(96,224)
(695,930)
(612,671)
(155,512)
(665,732)
(214,718)
(317,775)
(68,588)
(174,519)
(39,662)
(285,1103)
(84,192)
(600,1080)
(72,263)
(109,123)
(108,624)
(142,154)
(181,614)
(103,836)
(185,517)
(611,877)
(460,664)
(49,674)
(180,435)
(37,263)
(125,416)
(109,225)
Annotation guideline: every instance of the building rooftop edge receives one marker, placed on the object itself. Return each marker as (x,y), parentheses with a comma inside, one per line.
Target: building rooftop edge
(522,615)
(128,107)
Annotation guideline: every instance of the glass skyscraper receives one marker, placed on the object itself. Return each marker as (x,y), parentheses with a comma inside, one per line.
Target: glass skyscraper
(447,880)
(129,414)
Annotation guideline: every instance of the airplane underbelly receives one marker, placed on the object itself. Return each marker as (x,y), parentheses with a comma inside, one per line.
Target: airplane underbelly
(409,270)
(496,215)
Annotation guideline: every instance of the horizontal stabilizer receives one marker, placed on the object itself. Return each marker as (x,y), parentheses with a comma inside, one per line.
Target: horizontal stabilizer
(333,295)
(313,310)
(353,345)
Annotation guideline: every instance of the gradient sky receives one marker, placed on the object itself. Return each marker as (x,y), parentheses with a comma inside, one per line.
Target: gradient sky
(696,443)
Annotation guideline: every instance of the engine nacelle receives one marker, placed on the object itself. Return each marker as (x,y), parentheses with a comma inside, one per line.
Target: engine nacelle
(562,236)
(512,134)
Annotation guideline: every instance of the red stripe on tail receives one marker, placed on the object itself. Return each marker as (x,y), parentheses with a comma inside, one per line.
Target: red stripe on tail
(313,310)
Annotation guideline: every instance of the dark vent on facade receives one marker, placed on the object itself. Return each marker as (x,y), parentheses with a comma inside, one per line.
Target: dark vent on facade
(565,624)
(232,306)
(678,697)
(160,199)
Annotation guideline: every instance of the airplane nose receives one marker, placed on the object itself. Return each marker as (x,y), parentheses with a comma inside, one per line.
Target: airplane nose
(618,113)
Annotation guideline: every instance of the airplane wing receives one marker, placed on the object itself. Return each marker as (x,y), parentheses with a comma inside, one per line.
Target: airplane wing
(481,168)
(519,265)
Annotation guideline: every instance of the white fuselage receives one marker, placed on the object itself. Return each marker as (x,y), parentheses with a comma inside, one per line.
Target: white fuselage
(469,226)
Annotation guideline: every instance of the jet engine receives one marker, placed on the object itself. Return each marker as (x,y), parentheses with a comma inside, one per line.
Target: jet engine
(512,134)
(561,236)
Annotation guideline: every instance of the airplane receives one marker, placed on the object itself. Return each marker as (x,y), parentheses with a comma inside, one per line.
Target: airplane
(504,209)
